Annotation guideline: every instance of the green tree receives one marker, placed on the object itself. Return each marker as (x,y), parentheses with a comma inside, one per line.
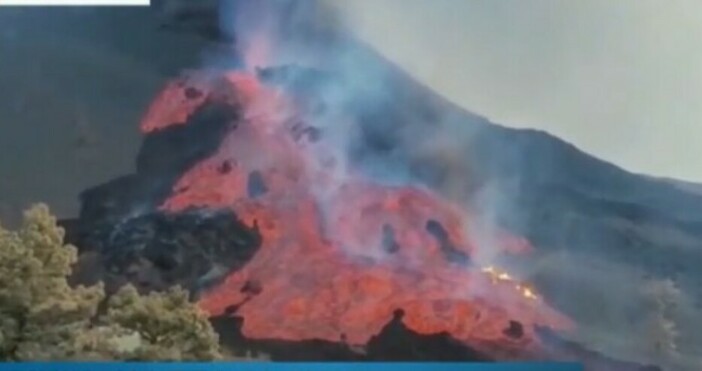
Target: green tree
(43,318)
(167,324)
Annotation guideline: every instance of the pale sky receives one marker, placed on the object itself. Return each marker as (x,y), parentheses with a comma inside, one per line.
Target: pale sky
(621,79)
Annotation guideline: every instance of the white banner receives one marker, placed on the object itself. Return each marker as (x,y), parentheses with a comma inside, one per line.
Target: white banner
(75,3)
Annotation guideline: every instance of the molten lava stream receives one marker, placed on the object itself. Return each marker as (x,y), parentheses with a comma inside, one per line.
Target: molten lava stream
(338,269)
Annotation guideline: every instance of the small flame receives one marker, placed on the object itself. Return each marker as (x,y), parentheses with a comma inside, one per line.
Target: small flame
(497,275)
(528,293)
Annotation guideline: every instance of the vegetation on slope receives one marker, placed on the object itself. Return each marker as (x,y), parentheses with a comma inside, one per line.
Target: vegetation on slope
(43,318)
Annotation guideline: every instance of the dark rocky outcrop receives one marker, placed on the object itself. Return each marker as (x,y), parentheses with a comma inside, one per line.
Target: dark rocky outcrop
(155,251)
(124,237)
(395,342)
(164,156)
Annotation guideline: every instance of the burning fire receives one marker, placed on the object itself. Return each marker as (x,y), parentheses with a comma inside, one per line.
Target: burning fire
(497,275)
(339,254)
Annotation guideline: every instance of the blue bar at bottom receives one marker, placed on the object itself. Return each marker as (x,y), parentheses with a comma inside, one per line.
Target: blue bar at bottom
(297,366)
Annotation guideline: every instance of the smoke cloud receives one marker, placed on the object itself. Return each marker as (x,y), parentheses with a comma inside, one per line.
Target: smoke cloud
(620,80)
(537,65)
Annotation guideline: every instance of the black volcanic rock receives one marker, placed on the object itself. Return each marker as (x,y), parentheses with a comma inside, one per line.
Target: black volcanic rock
(155,251)
(164,156)
(395,342)
(124,237)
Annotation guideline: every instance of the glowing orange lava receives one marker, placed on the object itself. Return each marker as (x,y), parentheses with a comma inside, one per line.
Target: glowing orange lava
(340,255)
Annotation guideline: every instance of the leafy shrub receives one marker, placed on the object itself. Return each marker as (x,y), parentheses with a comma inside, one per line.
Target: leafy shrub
(43,318)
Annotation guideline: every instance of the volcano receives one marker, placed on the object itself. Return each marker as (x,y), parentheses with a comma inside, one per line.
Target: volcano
(316,224)
(333,256)
(237,197)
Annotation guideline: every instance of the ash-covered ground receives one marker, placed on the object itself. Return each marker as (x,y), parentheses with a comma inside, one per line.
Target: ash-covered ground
(74,81)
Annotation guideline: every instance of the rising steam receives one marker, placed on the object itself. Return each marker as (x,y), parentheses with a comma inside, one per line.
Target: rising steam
(363,89)
(312,34)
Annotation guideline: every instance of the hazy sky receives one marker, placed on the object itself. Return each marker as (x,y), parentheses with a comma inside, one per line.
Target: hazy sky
(620,79)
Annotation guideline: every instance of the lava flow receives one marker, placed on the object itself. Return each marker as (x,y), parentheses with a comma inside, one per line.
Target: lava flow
(340,253)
